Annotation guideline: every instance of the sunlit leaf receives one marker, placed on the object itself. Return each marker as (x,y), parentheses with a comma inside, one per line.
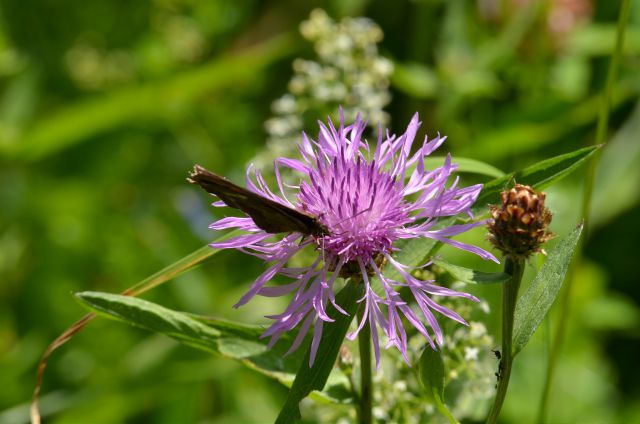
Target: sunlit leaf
(472,276)
(237,341)
(539,175)
(534,304)
(469,165)
(233,340)
(314,377)
(550,171)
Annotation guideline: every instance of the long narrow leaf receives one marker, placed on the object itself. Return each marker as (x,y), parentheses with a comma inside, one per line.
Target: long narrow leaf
(155,280)
(471,276)
(539,175)
(469,165)
(534,304)
(234,340)
(314,377)
(550,171)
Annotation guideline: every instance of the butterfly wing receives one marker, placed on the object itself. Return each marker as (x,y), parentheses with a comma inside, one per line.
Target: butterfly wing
(267,214)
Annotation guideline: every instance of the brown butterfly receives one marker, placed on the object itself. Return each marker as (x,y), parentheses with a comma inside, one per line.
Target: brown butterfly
(267,214)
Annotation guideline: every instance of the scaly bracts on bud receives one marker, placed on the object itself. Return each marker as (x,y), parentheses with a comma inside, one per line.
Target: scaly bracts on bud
(519,226)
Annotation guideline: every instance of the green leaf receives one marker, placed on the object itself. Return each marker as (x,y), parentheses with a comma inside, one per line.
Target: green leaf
(471,276)
(534,304)
(314,377)
(469,165)
(539,175)
(431,370)
(550,171)
(233,340)
(490,193)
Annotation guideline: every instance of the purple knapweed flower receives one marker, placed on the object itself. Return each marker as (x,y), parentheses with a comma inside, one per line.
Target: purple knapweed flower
(366,200)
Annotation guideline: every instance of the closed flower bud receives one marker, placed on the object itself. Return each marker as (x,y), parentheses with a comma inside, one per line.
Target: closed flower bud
(519,226)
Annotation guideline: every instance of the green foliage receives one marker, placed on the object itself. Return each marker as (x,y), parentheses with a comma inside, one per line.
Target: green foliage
(105,105)
(550,171)
(234,340)
(431,369)
(469,165)
(313,377)
(78,122)
(416,80)
(533,304)
(539,175)
(471,276)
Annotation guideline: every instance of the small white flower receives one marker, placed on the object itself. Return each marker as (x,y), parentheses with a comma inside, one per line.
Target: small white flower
(471,353)
(477,329)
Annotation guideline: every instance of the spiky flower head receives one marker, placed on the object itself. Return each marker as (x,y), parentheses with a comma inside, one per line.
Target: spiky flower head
(519,226)
(366,199)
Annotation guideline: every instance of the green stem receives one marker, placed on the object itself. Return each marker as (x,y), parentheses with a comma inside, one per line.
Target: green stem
(601,133)
(443,409)
(366,386)
(515,268)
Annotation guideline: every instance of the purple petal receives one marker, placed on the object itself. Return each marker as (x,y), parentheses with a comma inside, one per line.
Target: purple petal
(241,241)
(317,334)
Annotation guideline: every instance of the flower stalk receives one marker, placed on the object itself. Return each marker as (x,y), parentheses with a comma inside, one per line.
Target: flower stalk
(515,268)
(366,385)
(518,228)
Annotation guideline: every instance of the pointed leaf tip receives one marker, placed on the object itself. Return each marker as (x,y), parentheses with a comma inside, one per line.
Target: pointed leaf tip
(471,276)
(431,371)
(315,377)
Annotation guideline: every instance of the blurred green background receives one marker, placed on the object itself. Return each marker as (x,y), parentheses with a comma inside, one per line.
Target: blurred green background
(105,105)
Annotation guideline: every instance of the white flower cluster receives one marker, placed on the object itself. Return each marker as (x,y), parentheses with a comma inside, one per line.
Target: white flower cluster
(470,363)
(348,73)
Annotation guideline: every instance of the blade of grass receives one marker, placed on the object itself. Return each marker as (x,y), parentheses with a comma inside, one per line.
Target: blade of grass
(601,133)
